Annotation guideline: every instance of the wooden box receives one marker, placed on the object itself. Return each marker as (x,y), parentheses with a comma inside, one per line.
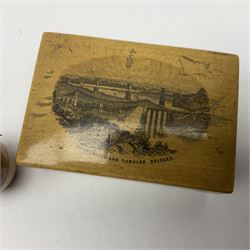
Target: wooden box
(131,110)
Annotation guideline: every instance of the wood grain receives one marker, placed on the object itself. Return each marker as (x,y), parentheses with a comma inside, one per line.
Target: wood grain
(131,110)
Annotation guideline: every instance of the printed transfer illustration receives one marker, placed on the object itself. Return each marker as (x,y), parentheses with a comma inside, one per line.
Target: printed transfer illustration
(128,117)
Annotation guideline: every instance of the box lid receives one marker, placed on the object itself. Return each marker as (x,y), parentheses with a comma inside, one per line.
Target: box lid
(131,110)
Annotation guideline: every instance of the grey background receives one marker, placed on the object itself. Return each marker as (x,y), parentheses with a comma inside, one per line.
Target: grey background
(55,209)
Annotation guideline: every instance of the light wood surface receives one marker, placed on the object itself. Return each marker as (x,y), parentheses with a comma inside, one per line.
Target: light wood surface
(131,110)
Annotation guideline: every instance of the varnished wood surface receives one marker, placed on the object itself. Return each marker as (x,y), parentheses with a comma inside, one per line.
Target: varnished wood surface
(138,111)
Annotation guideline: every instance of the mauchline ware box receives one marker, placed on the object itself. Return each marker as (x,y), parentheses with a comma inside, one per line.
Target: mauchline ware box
(131,110)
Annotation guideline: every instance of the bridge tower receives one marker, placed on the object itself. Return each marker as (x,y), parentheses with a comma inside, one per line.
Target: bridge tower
(128,92)
(162,97)
(96,88)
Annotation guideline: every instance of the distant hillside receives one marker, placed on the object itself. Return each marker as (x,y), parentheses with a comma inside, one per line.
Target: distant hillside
(192,102)
(155,73)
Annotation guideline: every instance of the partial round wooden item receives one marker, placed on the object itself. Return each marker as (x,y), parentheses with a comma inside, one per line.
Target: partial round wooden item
(7,168)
